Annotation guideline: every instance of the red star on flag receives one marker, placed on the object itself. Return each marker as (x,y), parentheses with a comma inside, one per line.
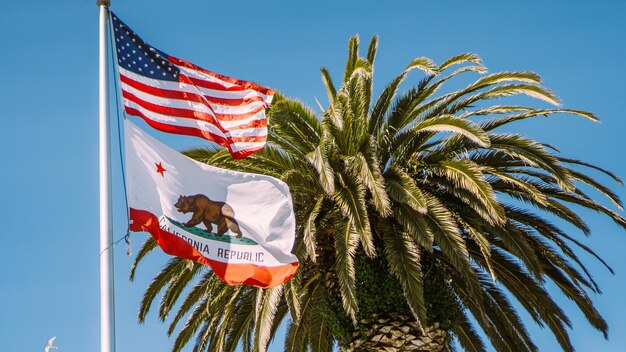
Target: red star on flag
(160,169)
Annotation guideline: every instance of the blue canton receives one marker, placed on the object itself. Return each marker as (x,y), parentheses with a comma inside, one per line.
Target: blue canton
(137,56)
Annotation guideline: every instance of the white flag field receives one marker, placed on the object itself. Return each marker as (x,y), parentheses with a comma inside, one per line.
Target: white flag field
(242,225)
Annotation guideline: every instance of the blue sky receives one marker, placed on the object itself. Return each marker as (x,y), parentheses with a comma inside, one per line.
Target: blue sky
(48,127)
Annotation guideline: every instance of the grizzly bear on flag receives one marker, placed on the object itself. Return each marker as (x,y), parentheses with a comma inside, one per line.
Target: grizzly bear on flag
(208,212)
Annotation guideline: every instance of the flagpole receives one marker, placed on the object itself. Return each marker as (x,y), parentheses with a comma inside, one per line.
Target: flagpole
(107,303)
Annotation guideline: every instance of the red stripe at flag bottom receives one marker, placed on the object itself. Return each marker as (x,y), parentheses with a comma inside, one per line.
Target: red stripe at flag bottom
(231,273)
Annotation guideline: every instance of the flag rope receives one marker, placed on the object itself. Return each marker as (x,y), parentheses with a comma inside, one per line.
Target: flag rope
(118,106)
(128,244)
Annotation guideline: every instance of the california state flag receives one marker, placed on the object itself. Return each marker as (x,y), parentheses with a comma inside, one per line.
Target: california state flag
(241,225)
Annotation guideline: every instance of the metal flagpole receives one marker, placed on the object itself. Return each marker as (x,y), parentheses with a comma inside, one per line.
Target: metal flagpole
(107,303)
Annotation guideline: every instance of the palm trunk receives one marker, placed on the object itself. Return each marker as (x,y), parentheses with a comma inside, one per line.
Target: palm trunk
(397,333)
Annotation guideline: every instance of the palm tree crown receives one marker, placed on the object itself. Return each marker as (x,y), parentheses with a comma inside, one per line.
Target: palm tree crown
(413,204)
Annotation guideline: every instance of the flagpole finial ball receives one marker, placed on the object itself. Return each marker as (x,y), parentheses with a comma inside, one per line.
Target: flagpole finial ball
(106,3)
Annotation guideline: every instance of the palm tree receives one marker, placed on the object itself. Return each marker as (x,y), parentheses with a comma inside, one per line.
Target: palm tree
(419,220)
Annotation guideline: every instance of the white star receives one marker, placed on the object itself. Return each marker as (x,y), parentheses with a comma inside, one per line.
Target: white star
(152,60)
(169,68)
(127,44)
(139,46)
(133,39)
(116,29)
(151,71)
(128,65)
(127,55)
(118,50)
(145,65)
(134,63)
(123,58)
(127,32)
(163,73)
(140,69)
(134,51)
(162,62)
(139,58)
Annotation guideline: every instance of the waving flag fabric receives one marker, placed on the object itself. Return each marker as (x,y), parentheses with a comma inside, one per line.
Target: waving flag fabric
(242,225)
(175,96)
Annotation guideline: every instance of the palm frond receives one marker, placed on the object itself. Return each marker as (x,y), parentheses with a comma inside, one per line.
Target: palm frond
(446,123)
(170,271)
(466,335)
(404,263)
(350,198)
(346,242)
(460,59)
(403,189)
(372,49)
(265,316)
(424,64)
(467,175)
(148,246)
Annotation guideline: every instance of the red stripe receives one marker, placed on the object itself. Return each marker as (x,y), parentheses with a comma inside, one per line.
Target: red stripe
(180,95)
(243,84)
(232,274)
(190,131)
(196,115)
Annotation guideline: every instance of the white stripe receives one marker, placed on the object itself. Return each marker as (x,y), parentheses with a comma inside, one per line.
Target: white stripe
(201,125)
(190,105)
(189,88)
(238,147)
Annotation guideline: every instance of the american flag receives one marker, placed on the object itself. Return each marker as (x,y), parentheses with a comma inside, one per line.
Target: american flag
(176,96)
